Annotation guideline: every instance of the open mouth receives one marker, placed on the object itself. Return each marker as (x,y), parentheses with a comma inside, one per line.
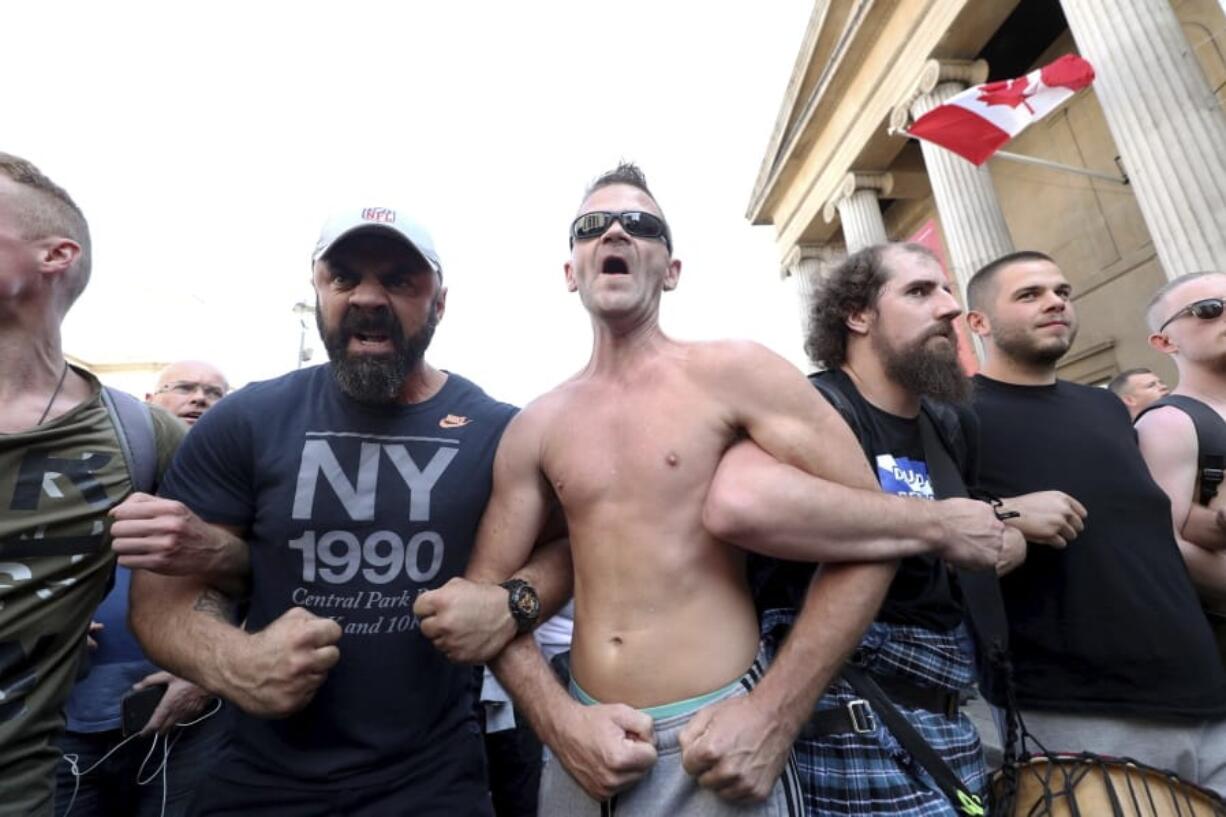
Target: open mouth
(371,338)
(614,266)
(191,416)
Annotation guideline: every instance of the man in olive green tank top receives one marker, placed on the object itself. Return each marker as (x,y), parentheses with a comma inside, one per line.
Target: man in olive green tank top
(61,469)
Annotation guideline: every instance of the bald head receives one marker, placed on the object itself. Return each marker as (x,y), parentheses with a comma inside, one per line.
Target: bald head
(188,389)
(1176,294)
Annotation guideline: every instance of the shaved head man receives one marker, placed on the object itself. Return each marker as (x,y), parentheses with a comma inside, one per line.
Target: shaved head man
(62,468)
(188,389)
(1138,388)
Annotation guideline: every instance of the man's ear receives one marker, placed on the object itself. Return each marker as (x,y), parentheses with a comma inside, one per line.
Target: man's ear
(571,284)
(978,323)
(672,275)
(56,255)
(440,303)
(860,321)
(1163,343)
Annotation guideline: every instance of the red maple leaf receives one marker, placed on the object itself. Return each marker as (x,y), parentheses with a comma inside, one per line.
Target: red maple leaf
(1011,92)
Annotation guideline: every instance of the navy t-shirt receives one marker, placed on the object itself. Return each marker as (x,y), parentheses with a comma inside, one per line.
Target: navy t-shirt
(352,511)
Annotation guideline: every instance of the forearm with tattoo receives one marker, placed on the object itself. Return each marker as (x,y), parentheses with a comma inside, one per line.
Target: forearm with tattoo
(217,604)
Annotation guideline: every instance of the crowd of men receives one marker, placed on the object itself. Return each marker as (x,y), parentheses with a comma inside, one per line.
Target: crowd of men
(782,590)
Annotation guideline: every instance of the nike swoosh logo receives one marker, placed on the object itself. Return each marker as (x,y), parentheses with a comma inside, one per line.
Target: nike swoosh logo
(452,421)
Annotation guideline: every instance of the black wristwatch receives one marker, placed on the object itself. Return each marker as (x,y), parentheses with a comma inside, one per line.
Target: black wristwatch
(525,604)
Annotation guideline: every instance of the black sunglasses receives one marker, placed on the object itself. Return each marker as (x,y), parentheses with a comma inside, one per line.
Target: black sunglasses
(1206,309)
(635,222)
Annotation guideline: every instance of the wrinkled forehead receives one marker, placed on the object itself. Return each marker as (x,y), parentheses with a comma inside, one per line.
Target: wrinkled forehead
(191,372)
(615,198)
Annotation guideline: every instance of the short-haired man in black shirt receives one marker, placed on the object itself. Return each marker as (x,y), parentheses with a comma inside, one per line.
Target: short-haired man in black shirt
(1111,652)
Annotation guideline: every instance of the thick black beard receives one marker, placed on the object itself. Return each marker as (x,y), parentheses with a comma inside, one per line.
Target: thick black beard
(927,372)
(375,379)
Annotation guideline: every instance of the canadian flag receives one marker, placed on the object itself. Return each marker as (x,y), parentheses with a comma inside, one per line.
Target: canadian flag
(977,122)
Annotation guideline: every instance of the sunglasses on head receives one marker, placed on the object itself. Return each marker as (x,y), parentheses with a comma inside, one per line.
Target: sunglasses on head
(635,222)
(1206,309)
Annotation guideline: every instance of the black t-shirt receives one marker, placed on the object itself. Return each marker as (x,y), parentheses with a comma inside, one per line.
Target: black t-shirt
(1111,624)
(922,593)
(353,511)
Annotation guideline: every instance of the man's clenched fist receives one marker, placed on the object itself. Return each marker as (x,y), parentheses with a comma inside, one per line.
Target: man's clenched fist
(278,670)
(469,622)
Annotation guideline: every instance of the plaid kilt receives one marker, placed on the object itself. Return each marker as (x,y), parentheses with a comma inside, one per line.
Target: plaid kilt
(872,774)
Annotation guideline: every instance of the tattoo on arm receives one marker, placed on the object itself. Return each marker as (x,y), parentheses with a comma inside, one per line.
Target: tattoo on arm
(216,604)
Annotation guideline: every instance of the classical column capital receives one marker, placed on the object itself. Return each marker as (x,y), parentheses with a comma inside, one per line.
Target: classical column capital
(808,260)
(934,73)
(879,183)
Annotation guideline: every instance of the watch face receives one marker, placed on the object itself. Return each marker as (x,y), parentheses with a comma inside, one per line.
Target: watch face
(527,603)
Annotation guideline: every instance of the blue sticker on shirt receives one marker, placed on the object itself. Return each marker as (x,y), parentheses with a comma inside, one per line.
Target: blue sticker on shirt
(904,476)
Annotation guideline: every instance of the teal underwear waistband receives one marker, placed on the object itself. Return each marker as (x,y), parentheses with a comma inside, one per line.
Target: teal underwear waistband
(687,707)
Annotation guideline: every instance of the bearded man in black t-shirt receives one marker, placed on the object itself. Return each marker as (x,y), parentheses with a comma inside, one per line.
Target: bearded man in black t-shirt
(882,323)
(1111,652)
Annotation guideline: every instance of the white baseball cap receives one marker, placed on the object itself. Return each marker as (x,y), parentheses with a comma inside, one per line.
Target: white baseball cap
(387,220)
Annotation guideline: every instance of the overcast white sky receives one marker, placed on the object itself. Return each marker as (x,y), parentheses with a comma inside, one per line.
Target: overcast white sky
(206,143)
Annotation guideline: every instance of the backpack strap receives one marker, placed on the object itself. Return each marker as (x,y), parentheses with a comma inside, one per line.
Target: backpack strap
(134,427)
(1210,441)
(822,382)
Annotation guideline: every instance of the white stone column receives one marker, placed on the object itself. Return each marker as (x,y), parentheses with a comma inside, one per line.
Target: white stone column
(858,207)
(1167,124)
(971,219)
(804,267)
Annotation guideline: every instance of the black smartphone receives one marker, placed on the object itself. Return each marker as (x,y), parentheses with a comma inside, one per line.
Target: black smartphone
(137,707)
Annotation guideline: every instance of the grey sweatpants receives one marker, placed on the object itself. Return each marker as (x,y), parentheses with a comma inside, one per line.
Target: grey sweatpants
(666,790)
(1194,751)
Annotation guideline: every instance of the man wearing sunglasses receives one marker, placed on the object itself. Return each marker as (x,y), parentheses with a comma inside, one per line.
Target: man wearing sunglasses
(1186,456)
(666,633)
(1111,652)
(188,388)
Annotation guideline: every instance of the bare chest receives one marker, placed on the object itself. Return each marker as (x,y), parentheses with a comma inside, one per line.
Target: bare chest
(645,446)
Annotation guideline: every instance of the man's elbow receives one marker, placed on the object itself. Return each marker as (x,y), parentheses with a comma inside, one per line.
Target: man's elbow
(730,512)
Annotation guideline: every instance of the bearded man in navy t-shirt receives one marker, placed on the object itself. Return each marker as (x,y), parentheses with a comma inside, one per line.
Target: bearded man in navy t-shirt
(339,493)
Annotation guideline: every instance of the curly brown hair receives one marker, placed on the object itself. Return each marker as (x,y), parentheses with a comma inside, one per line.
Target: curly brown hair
(851,287)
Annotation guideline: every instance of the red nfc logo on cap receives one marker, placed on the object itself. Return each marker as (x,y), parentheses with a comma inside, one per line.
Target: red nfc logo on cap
(381,214)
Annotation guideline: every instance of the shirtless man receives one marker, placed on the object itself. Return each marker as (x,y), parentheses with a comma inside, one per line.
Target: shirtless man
(664,621)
